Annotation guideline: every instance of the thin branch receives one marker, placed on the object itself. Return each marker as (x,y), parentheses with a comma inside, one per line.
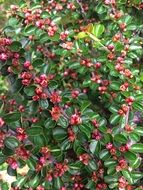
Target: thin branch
(82,10)
(127,116)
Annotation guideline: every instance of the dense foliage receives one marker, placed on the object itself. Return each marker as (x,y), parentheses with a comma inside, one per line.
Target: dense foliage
(73,110)
(4,5)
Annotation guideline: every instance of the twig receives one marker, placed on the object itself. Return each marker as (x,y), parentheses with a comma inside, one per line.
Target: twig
(127,116)
(82,10)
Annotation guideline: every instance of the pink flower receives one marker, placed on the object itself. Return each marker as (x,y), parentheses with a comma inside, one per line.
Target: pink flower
(1,122)
(75,119)
(56,113)
(55,97)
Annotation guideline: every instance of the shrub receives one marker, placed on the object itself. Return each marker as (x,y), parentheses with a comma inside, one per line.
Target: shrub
(73,110)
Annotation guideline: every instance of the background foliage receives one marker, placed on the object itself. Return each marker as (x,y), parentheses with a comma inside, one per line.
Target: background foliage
(73,110)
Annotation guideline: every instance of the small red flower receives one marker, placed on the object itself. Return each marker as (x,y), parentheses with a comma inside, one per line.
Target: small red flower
(75,119)
(56,113)
(12,162)
(71,135)
(84,158)
(22,153)
(55,97)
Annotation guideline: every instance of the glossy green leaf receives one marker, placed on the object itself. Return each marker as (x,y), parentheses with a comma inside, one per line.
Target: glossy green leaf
(34,182)
(29,30)
(104,154)
(110,163)
(33,131)
(138,147)
(37,62)
(139,130)
(98,30)
(115,118)
(120,138)
(15,46)
(63,122)
(128,176)
(44,104)
(12,117)
(11,142)
(57,183)
(81,35)
(94,146)
(115,85)
(30,90)
(59,133)
(11,171)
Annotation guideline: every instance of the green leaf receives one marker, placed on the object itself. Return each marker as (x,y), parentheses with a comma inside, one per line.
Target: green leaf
(59,133)
(43,38)
(85,105)
(13,21)
(137,106)
(49,123)
(40,140)
(44,104)
(115,85)
(56,151)
(33,131)
(94,146)
(30,90)
(100,8)
(139,97)
(138,147)
(34,182)
(5,186)
(65,145)
(57,183)
(11,171)
(113,109)
(63,122)
(92,165)
(115,118)
(111,170)
(130,156)
(104,154)
(139,130)
(98,30)
(120,138)
(136,175)
(110,163)
(2,158)
(11,142)
(21,181)
(86,130)
(134,137)
(53,85)
(45,14)
(7,151)
(37,62)
(90,184)
(12,117)
(29,30)
(81,35)
(136,163)
(113,185)
(15,46)
(31,163)
(135,47)
(110,179)
(74,168)
(128,176)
